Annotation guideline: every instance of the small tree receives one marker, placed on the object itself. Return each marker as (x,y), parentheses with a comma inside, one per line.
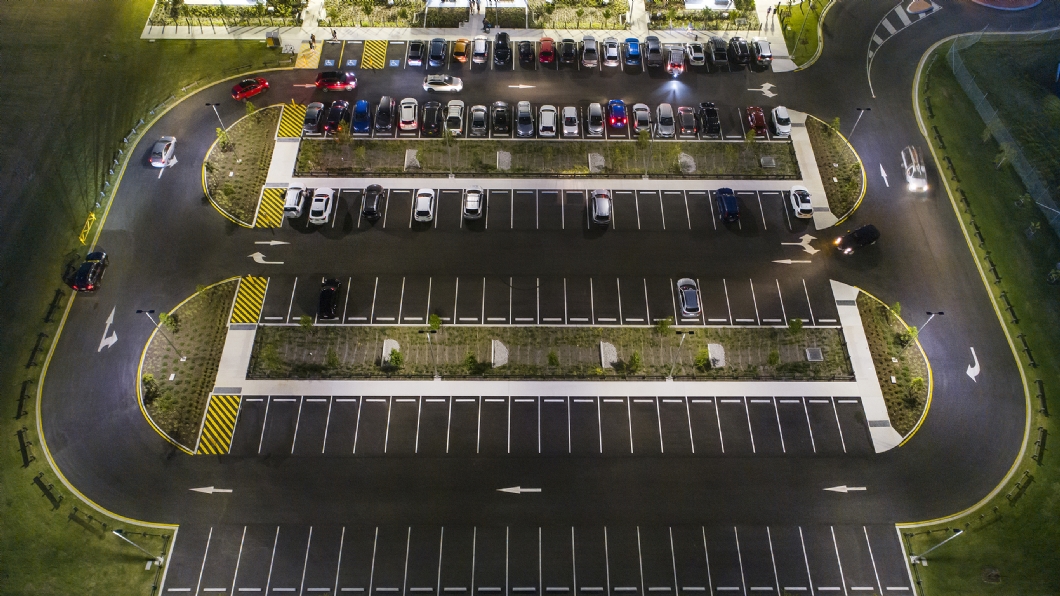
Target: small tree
(908,336)
(471,363)
(553,358)
(305,322)
(835,124)
(634,362)
(702,360)
(331,359)
(251,108)
(434,321)
(200,288)
(896,308)
(396,360)
(916,387)
(169,321)
(795,326)
(662,326)
(150,388)
(774,358)
(223,140)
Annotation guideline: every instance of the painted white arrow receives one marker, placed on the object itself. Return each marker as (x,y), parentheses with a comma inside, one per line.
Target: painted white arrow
(271,242)
(804,242)
(310,85)
(520,86)
(209,490)
(109,339)
(845,489)
(884,174)
(973,369)
(518,490)
(790,261)
(765,90)
(260,258)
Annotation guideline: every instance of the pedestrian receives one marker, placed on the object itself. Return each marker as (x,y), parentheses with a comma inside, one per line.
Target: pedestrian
(312,42)
(334,35)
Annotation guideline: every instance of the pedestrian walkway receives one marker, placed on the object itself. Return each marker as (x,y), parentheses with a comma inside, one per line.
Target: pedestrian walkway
(218,425)
(811,175)
(249,297)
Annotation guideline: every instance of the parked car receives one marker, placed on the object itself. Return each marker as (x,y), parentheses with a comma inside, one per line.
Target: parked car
(709,121)
(436,54)
(454,117)
(600,207)
(384,114)
(314,118)
(479,121)
(611,54)
(416,48)
(717,51)
(590,52)
(728,206)
(248,88)
(362,116)
(442,83)
(320,208)
(163,151)
(433,119)
(616,113)
(641,118)
(502,49)
(336,80)
(328,304)
(424,205)
(501,118)
(675,64)
(546,54)
(762,52)
(480,49)
(654,53)
(338,112)
(756,120)
(864,236)
(594,120)
(913,166)
(461,50)
(689,293)
(409,114)
(524,119)
(373,202)
(686,120)
(631,50)
(781,122)
(800,201)
(696,54)
(526,51)
(739,53)
(474,203)
(568,51)
(294,201)
(664,121)
(546,121)
(570,122)
(90,273)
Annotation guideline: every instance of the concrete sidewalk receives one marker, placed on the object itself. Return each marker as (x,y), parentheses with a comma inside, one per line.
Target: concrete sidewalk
(811,175)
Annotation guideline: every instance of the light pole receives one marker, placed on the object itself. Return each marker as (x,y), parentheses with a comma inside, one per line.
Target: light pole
(861,112)
(121,534)
(164,334)
(670,376)
(216,113)
(799,38)
(434,359)
(919,559)
(931,315)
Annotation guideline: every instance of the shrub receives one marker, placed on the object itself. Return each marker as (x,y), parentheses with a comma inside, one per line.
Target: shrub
(331,359)
(662,326)
(702,361)
(634,363)
(150,388)
(396,360)
(795,326)
(774,358)
(553,358)
(471,363)
(434,321)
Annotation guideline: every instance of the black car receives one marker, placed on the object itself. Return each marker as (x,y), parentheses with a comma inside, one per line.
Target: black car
(501,118)
(373,202)
(717,51)
(728,207)
(709,122)
(859,238)
(329,298)
(338,113)
(415,53)
(436,55)
(88,275)
(432,119)
(568,51)
(739,53)
(502,49)
(384,114)
(526,51)
(653,53)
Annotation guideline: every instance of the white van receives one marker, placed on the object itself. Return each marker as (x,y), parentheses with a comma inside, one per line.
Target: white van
(292,207)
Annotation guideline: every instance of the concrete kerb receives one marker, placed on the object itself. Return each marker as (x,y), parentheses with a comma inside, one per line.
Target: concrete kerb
(820,37)
(861,166)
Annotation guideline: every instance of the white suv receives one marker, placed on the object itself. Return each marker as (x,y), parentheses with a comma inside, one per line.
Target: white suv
(320,208)
(546,121)
(423,205)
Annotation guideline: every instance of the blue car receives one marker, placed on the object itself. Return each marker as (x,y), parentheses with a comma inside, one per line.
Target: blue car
(616,111)
(362,116)
(632,51)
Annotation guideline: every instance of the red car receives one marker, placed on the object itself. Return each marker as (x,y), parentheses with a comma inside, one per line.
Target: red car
(547,53)
(337,80)
(248,88)
(756,119)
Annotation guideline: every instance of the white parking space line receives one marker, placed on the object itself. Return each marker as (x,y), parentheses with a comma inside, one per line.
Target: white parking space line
(305,562)
(810,306)
(728,306)
(772,558)
(290,305)
(375,292)
(758,319)
(389,408)
(783,311)
(747,411)
(739,559)
(835,411)
(204,554)
(419,412)
(592,302)
(264,421)
(327,424)
(482,316)
(272,560)
(239,558)
(783,449)
(401,300)
(408,543)
(806,410)
(872,558)
(838,561)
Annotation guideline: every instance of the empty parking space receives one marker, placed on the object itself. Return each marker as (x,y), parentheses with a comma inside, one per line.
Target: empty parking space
(886,552)
(740,300)
(403,427)
(586,436)
(457,560)
(524,560)
(357,554)
(794,420)
(351,54)
(312,426)
(822,559)
(372,424)
(624,561)
(342,425)
(857,565)
(765,426)
(824,425)
(499,209)
(701,210)
(415,297)
(822,302)
(578,300)
(557,561)
(553,300)
(322,560)
(796,300)
(675,426)
(443,298)
(493,426)
(390,560)
(360,299)
(398,209)
(251,419)
(424,548)
(396,52)
(468,302)
(497,300)
(606,302)
(281,419)
(725,567)
(716,304)
(645,426)
(450,209)
(756,559)
(633,298)
(625,217)
(574,215)
(651,212)
(735,427)
(433,425)
(525,210)
(675,209)
(555,425)
(288,564)
(590,560)
(278,296)
(462,436)
(524,300)
(524,426)
(767,299)
(855,430)
(491,550)
(386,299)
(706,428)
(662,303)
(616,434)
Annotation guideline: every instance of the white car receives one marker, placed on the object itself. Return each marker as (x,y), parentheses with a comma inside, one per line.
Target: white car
(570,122)
(480,49)
(913,166)
(423,205)
(474,202)
(689,292)
(442,84)
(163,151)
(292,205)
(781,122)
(600,208)
(800,202)
(546,121)
(696,54)
(479,119)
(320,208)
(408,114)
(641,118)
(454,117)
(664,121)
(611,49)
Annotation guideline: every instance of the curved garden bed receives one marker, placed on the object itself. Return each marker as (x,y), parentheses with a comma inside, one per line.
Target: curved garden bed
(238,163)
(842,173)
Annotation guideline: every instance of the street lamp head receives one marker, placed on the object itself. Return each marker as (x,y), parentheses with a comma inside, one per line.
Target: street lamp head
(140,312)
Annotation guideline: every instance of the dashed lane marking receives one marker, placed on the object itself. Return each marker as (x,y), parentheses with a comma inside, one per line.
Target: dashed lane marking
(249,298)
(217,427)
(291,121)
(374,54)
(270,209)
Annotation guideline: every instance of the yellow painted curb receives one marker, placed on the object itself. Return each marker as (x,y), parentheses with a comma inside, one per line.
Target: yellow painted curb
(206,158)
(861,165)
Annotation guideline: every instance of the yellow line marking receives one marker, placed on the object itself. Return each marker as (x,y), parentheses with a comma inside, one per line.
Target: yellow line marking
(308,58)
(374,54)
(219,424)
(270,208)
(291,120)
(249,298)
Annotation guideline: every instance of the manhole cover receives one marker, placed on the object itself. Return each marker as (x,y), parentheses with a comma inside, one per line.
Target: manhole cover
(769,162)
(814,355)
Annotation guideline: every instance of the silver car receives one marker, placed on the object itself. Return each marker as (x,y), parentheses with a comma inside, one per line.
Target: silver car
(611,52)
(664,121)
(163,151)
(423,205)
(524,119)
(474,202)
(594,125)
(641,118)
(479,120)
(915,172)
(600,208)
(454,117)
(570,122)
(442,84)
(689,293)
(590,53)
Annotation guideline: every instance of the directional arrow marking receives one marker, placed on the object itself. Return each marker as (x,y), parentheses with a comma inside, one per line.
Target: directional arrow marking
(521,86)
(884,174)
(804,242)
(790,261)
(209,490)
(845,489)
(518,490)
(271,242)
(973,369)
(260,258)
(765,90)
(109,339)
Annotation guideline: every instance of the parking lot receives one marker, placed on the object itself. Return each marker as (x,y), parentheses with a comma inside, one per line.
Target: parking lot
(550,426)
(615,560)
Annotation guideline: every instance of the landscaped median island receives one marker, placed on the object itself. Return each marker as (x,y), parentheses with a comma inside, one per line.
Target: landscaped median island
(174,393)
(900,364)
(342,352)
(799,23)
(842,174)
(238,163)
(501,158)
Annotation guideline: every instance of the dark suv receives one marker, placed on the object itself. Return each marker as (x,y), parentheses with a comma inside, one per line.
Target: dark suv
(432,119)
(728,206)
(384,114)
(329,298)
(654,52)
(88,275)
(501,118)
(502,49)
(373,202)
(739,53)
(709,122)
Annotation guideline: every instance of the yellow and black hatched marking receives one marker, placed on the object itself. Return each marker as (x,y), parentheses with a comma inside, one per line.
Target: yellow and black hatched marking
(291,121)
(219,424)
(249,297)
(308,57)
(374,54)
(270,208)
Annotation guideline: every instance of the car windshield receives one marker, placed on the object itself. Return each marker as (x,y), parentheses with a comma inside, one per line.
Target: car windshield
(453,122)
(570,121)
(666,121)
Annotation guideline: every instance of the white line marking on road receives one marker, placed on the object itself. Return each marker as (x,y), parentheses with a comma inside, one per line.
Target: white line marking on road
(884,174)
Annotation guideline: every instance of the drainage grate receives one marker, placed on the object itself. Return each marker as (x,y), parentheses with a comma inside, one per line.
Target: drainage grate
(814,355)
(769,162)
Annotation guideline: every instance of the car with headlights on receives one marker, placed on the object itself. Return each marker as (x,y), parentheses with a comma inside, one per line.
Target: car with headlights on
(162,152)
(336,80)
(866,235)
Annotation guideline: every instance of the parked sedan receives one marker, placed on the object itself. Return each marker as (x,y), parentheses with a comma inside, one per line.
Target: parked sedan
(248,88)
(570,122)
(686,120)
(454,117)
(479,121)
(423,205)
(416,48)
(590,52)
(433,118)
(89,274)
(594,120)
(338,112)
(600,208)
(501,118)
(480,49)
(524,119)
(756,120)
(781,122)
(547,53)
(384,114)
(461,50)
(859,238)
(327,306)
(163,151)
(616,110)
(664,121)
(373,202)
(314,118)
(696,54)
(611,52)
(474,202)
(502,49)
(442,83)
(409,114)
(689,293)
(526,51)
(641,118)
(336,80)
(800,201)
(320,208)
(362,116)
(436,53)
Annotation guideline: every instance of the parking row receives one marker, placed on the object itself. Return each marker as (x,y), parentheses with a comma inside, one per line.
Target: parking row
(616,560)
(550,426)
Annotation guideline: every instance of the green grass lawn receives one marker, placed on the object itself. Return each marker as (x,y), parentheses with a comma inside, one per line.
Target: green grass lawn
(101,79)
(802,17)
(1020,539)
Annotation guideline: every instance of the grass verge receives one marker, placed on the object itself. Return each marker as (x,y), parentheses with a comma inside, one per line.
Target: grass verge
(896,355)
(542,352)
(344,13)
(799,23)
(1010,543)
(357,157)
(236,169)
(174,393)
(841,171)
